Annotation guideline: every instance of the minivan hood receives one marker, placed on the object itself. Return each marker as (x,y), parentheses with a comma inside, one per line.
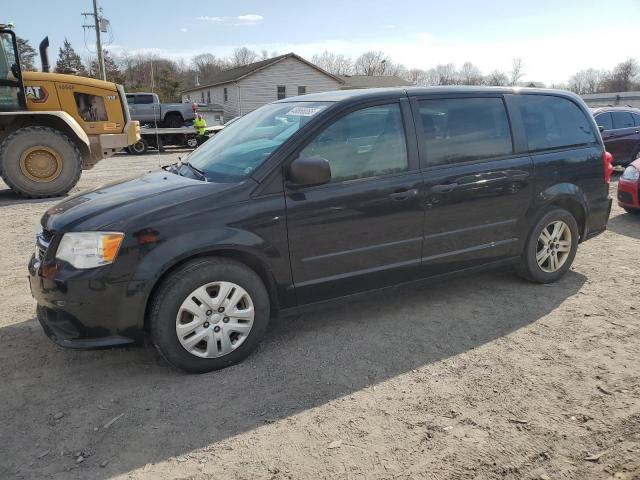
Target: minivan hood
(117,202)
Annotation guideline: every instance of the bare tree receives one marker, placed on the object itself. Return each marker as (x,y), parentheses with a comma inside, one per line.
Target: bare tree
(469,74)
(372,63)
(587,81)
(243,56)
(496,79)
(516,73)
(445,74)
(623,76)
(414,75)
(207,65)
(332,63)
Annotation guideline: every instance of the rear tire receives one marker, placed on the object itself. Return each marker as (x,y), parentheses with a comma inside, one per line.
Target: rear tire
(549,253)
(139,148)
(173,310)
(40,162)
(173,120)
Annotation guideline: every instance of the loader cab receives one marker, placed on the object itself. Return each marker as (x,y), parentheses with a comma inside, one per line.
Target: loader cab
(11,88)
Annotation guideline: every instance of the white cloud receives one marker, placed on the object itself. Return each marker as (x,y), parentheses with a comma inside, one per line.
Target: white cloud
(248,19)
(206,18)
(184,30)
(390,26)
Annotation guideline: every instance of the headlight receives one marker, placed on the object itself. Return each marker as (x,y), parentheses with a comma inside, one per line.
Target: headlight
(631,173)
(89,249)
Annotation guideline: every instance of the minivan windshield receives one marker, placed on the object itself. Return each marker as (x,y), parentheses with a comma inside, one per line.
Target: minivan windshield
(238,149)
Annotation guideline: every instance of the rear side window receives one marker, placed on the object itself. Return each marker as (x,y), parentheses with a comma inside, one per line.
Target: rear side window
(604,120)
(622,120)
(464,129)
(636,119)
(554,122)
(144,99)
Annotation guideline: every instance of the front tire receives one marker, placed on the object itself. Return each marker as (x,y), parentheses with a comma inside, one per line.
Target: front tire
(40,162)
(139,148)
(550,248)
(209,314)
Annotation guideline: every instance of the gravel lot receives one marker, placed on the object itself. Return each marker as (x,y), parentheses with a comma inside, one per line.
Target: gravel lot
(481,377)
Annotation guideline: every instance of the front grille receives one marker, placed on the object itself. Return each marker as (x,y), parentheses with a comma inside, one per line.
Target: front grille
(625,197)
(46,235)
(43,239)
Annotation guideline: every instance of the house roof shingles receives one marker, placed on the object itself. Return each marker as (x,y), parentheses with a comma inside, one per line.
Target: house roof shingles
(235,74)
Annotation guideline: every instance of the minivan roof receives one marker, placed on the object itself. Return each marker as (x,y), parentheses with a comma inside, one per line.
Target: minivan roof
(374,93)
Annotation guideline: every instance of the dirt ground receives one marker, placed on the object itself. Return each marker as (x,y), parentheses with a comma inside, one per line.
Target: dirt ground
(480,377)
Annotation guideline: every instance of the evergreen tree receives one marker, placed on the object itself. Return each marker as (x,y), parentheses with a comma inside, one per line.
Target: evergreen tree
(111,68)
(27,54)
(69,61)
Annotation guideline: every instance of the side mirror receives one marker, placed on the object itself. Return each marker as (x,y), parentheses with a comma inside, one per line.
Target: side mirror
(601,128)
(308,172)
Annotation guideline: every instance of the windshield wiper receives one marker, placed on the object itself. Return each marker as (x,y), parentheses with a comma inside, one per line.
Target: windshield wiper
(199,172)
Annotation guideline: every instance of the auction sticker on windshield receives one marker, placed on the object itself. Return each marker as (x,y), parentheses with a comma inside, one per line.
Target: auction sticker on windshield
(305,111)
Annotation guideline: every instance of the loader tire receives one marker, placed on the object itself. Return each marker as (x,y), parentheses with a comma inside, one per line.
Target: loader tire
(40,162)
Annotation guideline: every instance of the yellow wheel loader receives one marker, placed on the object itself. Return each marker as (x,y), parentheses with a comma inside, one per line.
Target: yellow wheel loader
(53,126)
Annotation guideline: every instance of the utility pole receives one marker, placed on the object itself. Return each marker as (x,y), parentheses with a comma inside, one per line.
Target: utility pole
(98,21)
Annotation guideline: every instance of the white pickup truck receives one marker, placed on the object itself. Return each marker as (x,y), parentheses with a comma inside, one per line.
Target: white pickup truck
(147,109)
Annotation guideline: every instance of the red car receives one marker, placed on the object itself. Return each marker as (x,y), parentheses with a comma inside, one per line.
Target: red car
(629,188)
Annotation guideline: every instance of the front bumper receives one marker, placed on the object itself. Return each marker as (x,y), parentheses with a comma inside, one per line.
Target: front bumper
(628,193)
(108,144)
(82,308)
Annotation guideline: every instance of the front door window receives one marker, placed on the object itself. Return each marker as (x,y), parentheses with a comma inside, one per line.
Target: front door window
(9,84)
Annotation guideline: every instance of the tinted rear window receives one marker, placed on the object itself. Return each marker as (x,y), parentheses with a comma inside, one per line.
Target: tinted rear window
(554,122)
(622,120)
(144,99)
(464,129)
(604,120)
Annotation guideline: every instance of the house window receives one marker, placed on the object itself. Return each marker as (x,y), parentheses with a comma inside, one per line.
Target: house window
(282,92)
(302,90)
(201,97)
(226,95)
(208,96)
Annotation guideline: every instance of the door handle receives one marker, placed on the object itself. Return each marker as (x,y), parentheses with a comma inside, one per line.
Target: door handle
(403,194)
(444,188)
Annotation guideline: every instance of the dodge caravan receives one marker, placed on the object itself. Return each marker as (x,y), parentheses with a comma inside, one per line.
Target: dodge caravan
(318,197)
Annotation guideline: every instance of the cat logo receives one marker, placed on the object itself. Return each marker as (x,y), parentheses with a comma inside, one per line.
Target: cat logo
(36,94)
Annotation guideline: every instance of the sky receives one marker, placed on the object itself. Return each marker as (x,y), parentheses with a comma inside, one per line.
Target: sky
(554,38)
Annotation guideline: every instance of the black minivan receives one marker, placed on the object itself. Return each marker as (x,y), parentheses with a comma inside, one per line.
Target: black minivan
(317,197)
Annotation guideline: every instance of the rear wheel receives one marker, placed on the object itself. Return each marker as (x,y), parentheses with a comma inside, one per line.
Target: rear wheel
(140,147)
(209,314)
(38,162)
(550,248)
(173,120)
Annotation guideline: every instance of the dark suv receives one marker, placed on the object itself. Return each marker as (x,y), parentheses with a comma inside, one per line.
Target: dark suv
(620,131)
(318,197)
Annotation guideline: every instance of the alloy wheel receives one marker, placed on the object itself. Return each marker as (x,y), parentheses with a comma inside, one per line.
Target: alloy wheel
(554,246)
(215,319)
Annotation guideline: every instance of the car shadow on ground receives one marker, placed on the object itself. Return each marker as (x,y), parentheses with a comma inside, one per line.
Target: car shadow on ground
(303,363)
(625,224)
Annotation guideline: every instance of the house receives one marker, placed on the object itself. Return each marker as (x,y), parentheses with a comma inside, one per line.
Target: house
(371,81)
(243,89)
